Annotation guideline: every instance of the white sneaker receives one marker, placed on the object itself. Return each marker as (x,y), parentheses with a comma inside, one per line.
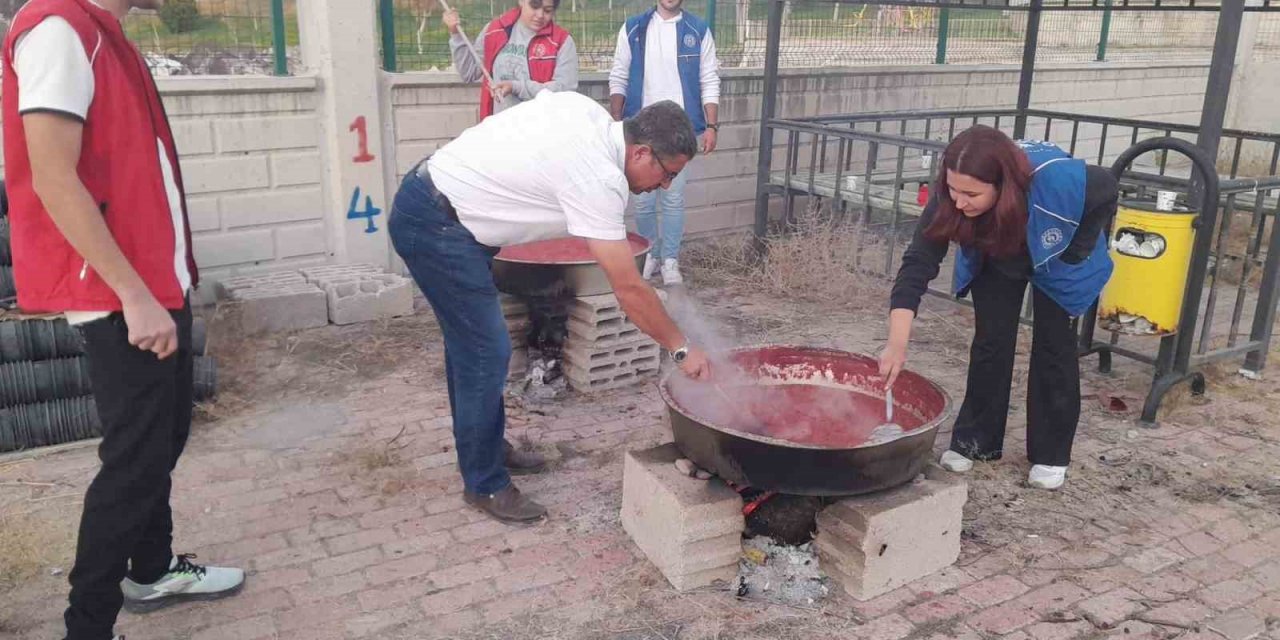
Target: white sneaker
(1046,477)
(185,581)
(650,267)
(955,463)
(671,272)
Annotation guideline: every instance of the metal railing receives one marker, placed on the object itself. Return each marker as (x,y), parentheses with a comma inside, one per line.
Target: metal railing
(820,33)
(870,170)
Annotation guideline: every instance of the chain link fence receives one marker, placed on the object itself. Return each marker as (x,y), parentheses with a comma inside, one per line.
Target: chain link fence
(210,37)
(821,33)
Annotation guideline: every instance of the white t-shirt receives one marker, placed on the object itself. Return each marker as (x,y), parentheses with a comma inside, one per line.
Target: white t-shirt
(546,168)
(661,71)
(55,73)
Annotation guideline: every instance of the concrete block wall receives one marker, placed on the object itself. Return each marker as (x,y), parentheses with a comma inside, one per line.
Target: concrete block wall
(252,170)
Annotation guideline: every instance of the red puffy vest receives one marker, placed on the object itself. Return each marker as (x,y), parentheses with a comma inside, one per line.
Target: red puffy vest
(543,49)
(119,165)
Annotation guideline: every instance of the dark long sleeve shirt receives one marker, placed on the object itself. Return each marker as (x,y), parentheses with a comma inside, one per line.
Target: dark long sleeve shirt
(923,258)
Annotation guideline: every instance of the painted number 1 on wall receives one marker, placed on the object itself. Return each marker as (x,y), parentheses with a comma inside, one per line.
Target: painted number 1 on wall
(361,129)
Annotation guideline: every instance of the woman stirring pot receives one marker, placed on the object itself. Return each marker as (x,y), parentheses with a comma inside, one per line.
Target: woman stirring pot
(1020,212)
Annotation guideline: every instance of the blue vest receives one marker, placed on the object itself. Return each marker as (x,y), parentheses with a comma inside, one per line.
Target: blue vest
(1055,205)
(689,33)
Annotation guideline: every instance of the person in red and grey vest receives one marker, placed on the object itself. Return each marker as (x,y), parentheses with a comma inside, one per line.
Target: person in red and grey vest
(525,52)
(100,233)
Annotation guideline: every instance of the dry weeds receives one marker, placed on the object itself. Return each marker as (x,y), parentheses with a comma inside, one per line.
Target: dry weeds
(818,259)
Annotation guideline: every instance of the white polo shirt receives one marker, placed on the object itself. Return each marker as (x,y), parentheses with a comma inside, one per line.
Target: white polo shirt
(547,168)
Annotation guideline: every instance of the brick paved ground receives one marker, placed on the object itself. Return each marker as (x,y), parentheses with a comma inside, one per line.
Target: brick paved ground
(341,498)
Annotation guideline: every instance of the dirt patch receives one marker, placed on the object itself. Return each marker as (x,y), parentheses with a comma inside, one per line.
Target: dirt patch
(317,363)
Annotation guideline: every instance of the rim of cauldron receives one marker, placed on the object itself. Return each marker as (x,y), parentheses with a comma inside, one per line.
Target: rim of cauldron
(932,425)
(631,235)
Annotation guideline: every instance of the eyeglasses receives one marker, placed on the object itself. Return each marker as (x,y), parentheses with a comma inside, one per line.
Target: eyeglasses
(670,175)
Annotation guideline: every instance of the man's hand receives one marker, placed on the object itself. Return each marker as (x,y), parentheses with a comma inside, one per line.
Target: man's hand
(151,328)
(696,365)
(708,141)
(450,19)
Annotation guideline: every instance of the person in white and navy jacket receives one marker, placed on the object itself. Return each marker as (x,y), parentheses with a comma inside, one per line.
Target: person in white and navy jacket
(666,53)
(1024,212)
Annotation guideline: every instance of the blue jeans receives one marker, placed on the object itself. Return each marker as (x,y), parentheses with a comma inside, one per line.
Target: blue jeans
(453,271)
(672,200)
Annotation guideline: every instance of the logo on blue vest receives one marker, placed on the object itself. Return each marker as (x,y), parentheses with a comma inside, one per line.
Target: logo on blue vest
(689,40)
(1051,238)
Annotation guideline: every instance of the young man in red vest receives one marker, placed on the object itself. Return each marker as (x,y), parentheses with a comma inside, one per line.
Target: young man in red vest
(524,51)
(100,233)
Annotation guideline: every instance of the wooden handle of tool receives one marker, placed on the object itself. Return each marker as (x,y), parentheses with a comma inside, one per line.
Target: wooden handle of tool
(471,48)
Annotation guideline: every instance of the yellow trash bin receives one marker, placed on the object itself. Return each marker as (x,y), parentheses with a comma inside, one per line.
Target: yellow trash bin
(1151,249)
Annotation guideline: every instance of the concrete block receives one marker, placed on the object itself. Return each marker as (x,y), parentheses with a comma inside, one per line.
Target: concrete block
(593,366)
(615,379)
(272,207)
(876,543)
(594,309)
(301,240)
(369,297)
(227,286)
(590,358)
(691,530)
(603,333)
(281,307)
(295,169)
(233,248)
(333,273)
(216,174)
(264,133)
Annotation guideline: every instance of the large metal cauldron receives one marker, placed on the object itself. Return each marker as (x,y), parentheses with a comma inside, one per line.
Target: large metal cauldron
(785,466)
(559,267)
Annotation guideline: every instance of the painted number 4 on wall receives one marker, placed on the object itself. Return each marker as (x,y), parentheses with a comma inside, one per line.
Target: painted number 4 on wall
(368,213)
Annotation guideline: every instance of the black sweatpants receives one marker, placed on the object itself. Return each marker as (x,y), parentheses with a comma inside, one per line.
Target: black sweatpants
(1053,387)
(145,406)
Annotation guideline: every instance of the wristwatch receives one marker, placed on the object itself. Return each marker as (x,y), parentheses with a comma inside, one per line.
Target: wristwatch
(714,127)
(680,354)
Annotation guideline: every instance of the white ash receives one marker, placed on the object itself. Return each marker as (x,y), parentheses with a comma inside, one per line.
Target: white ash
(780,573)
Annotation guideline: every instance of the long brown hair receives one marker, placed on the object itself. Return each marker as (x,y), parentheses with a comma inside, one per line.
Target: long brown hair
(988,155)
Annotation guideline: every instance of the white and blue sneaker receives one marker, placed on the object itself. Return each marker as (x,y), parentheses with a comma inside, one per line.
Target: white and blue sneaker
(184,582)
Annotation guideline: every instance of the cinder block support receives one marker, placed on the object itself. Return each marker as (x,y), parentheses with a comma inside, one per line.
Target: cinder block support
(690,529)
(339,43)
(876,543)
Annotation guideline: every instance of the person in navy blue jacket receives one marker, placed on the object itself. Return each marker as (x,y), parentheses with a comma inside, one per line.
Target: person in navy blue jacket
(1020,212)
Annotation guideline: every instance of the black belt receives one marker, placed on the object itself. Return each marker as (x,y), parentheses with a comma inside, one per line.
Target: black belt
(440,199)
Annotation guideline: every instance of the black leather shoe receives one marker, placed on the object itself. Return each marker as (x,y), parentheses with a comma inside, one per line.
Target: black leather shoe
(522,463)
(508,505)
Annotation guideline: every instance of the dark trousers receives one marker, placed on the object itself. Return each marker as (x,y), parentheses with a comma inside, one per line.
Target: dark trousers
(1053,386)
(127,526)
(455,273)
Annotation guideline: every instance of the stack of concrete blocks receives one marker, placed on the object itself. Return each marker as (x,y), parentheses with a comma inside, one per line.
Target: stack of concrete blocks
(516,314)
(604,349)
(276,302)
(690,529)
(361,292)
(875,543)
